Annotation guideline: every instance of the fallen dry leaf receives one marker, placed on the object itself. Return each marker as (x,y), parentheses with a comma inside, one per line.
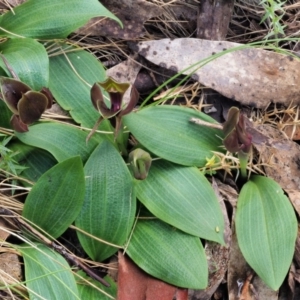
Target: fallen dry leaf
(297,250)
(125,71)
(294,196)
(291,280)
(281,157)
(4,230)
(10,268)
(134,283)
(252,76)
(132,14)
(12,3)
(228,193)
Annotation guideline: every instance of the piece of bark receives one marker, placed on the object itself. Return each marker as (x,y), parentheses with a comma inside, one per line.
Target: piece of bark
(213,19)
(134,283)
(133,14)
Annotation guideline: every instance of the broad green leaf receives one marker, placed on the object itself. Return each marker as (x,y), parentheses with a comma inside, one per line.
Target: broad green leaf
(169,254)
(266,228)
(28,59)
(167,132)
(89,292)
(36,161)
(50,19)
(47,274)
(182,197)
(109,205)
(56,199)
(62,141)
(5,115)
(69,90)
(71,76)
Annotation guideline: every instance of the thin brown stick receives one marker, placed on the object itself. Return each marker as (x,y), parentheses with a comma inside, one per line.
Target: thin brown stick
(207,124)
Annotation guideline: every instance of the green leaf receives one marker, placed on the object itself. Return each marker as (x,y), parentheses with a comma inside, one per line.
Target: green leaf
(182,197)
(169,254)
(51,19)
(56,199)
(109,206)
(5,115)
(69,90)
(48,275)
(167,132)
(86,291)
(36,161)
(62,141)
(28,59)
(266,228)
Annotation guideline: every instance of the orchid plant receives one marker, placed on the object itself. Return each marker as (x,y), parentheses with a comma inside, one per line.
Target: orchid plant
(237,139)
(27,105)
(113,110)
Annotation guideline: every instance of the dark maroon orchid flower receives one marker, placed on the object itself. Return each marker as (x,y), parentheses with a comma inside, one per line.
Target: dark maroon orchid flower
(113,109)
(116,92)
(27,105)
(237,139)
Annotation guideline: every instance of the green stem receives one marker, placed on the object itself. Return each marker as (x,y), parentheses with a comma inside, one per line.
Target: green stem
(243,157)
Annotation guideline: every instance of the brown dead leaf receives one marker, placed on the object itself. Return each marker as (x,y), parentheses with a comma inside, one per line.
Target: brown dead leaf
(4,234)
(252,76)
(10,268)
(132,14)
(297,250)
(294,196)
(12,3)
(125,71)
(291,280)
(281,157)
(228,193)
(134,283)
